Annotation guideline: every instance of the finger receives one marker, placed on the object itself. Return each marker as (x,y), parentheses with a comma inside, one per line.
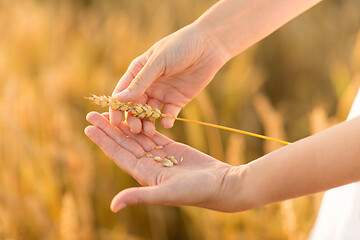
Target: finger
(152,69)
(149,126)
(115,133)
(135,123)
(154,103)
(116,117)
(171,110)
(134,68)
(161,140)
(123,158)
(144,141)
(153,195)
(148,142)
(106,115)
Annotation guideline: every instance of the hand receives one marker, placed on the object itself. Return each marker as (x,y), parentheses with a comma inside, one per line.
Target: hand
(198,180)
(171,73)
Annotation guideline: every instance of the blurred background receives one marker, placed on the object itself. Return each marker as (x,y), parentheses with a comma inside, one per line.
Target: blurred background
(56,184)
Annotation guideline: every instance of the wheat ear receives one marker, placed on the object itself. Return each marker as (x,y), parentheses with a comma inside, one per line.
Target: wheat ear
(146,111)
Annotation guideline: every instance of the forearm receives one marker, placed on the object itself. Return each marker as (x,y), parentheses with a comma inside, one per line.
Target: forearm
(238,24)
(316,163)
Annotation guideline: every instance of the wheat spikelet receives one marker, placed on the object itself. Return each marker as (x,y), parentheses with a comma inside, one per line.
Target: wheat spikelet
(146,111)
(136,109)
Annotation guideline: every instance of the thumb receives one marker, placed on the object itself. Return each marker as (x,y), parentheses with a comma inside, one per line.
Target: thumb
(147,75)
(153,195)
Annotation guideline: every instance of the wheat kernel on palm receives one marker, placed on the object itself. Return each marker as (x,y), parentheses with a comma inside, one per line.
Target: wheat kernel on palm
(158,159)
(174,161)
(149,155)
(168,163)
(158,147)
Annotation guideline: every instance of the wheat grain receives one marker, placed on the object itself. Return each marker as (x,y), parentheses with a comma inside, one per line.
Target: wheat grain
(172,159)
(158,147)
(158,159)
(149,155)
(168,163)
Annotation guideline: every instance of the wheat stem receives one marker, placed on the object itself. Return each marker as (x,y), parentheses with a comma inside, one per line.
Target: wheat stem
(146,111)
(233,130)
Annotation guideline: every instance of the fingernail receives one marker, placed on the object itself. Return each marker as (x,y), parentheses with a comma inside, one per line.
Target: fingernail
(118,207)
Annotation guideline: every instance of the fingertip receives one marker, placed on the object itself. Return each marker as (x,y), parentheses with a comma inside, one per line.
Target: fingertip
(171,110)
(91,115)
(88,130)
(149,128)
(136,130)
(167,122)
(116,117)
(135,124)
(115,206)
(118,202)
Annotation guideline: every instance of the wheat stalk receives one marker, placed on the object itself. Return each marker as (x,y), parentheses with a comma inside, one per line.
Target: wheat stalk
(146,111)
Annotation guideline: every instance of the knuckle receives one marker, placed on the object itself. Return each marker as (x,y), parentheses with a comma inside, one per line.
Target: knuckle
(157,63)
(138,61)
(139,81)
(137,198)
(140,200)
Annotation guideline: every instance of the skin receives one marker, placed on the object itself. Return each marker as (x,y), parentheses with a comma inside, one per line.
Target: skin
(171,73)
(310,165)
(198,175)
(175,69)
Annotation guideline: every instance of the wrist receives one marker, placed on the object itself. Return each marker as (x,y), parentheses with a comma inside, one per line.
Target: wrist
(224,25)
(235,192)
(211,40)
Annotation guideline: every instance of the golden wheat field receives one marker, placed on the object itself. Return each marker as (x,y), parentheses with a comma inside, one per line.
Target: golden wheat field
(56,184)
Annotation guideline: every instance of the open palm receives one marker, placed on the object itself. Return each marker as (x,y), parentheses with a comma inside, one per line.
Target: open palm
(198,180)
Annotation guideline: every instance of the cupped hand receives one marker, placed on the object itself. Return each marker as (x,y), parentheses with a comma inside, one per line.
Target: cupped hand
(198,180)
(170,74)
